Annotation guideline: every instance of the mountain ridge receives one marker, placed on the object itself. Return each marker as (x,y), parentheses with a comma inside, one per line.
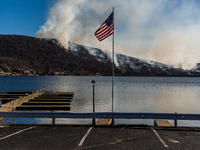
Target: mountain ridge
(133,66)
(47,56)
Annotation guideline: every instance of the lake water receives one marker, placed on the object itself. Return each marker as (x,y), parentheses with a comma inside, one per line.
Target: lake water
(131,94)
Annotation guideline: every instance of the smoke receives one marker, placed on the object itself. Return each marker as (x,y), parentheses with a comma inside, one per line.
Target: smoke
(160,30)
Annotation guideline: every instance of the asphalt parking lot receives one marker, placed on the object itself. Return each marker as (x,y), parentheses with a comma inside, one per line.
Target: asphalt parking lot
(32,137)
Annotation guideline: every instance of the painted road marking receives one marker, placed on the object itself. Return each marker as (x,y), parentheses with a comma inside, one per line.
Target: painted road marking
(16,133)
(161,140)
(173,141)
(85,136)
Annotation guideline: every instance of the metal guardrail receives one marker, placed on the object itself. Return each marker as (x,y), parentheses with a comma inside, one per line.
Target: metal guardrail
(114,115)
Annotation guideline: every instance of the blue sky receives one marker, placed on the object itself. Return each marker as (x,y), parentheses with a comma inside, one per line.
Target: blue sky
(23,17)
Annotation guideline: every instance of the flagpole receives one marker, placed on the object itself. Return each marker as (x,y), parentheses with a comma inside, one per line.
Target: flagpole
(104,31)
(113,63)
(113,122)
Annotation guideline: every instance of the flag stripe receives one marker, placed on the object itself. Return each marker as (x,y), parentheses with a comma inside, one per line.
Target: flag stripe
(106,29)
(105,35)
(103,29)
(103,26)
(104,32)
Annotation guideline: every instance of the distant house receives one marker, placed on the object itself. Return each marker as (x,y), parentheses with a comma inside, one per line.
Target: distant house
(1,71)
(26,71)
(32,72)
(8,69)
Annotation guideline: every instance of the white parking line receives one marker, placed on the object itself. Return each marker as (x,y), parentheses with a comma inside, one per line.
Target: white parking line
(85,136)
(17,132)
(161,140)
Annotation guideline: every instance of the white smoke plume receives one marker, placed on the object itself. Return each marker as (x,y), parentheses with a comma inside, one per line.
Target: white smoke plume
(167,31)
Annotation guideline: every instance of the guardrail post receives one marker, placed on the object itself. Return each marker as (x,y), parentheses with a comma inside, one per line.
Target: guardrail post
(112,122)
(53,121)
(175,120)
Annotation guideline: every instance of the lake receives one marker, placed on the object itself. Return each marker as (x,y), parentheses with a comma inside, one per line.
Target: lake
(131,94)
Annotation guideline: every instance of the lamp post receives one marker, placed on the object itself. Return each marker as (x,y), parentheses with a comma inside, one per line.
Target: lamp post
(93,84)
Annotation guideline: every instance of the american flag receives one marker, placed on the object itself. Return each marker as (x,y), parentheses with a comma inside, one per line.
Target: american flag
(106,29)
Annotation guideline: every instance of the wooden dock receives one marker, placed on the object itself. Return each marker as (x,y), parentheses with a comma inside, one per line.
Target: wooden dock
(49,101)
(13,99)
(29,100)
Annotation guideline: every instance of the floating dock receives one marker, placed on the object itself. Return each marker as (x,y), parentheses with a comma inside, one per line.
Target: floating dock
(45,101)
(49,101)
(13,99)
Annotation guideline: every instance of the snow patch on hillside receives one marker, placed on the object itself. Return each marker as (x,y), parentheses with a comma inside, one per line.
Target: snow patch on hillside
(123,62)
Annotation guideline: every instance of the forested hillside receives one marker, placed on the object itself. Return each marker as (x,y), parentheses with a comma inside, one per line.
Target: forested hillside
(46,56)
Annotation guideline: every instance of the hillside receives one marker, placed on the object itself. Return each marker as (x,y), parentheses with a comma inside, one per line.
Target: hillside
(130,66)
(46,56)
